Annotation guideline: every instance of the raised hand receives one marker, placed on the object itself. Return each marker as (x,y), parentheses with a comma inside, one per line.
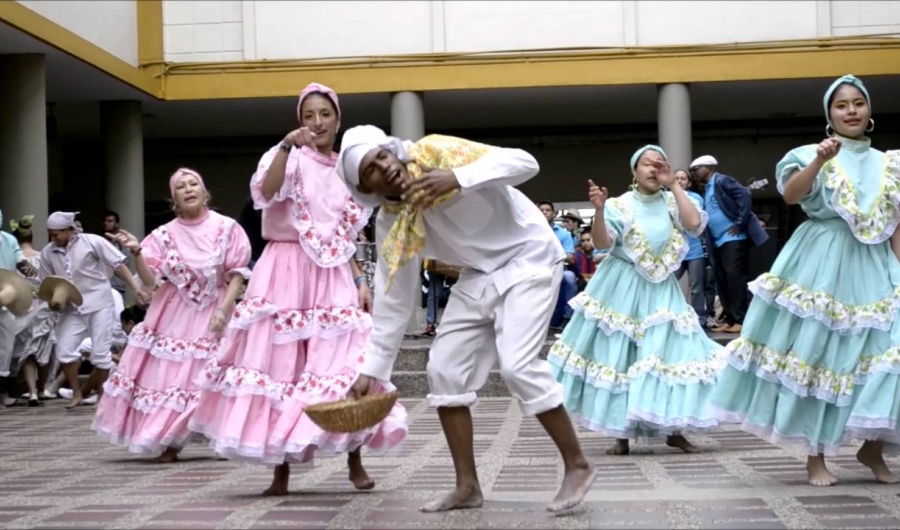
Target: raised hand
(126,239)
(431,186)
(300,137)
(664,173)
(828,149)
(597,195)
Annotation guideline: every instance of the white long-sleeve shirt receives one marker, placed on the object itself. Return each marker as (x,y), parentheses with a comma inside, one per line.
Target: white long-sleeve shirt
(490,229)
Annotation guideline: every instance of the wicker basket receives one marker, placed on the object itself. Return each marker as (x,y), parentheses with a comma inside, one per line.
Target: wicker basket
(351,415)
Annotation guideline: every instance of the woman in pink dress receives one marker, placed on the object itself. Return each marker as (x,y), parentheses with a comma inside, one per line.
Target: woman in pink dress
(199,261)
(300,332)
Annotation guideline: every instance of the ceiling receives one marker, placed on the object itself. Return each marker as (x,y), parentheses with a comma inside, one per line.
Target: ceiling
(75,88)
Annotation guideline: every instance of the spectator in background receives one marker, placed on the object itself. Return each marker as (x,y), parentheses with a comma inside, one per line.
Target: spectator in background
(732,228)
(569,286)
(111,225)
(694,262)
(585,260)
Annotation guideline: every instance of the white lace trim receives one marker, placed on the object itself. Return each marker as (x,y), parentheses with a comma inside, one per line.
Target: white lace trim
(837,316)
(171,348)
(292,325)
(608,378)
(610,321)
(146,400)
(769,434)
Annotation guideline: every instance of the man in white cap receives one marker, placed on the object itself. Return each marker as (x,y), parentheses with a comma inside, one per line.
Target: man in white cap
(453,200)
(732,228)
(83,259)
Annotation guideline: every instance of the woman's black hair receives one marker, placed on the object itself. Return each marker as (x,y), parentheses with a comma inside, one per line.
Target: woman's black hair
(327,98)
(23,232)
(833,92)
(133,313)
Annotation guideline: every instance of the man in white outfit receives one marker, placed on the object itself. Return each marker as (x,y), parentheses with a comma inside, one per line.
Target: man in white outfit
(463,209)
(83,259)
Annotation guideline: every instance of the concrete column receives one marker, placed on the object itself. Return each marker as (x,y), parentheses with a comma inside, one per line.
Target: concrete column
(674,108)
(407,116)
(408,123)
(121,128)
(23,142)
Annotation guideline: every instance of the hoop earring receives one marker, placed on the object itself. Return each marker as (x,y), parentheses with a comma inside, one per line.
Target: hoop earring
(829,131)
(871,126)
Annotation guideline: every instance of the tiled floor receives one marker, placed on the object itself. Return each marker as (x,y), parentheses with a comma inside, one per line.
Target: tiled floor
(54,473)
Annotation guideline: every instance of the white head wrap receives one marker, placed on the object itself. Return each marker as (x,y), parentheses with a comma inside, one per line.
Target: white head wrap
(61,220)
(355,144)
(705,160)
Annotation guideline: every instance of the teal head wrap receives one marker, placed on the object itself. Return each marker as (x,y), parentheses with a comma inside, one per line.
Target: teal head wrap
(637,154)
(845,80)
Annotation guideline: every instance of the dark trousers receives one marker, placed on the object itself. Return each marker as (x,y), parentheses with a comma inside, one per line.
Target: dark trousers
(732,271)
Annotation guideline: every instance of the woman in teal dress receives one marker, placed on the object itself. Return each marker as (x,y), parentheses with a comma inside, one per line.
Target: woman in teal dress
(817,362)
(634,361)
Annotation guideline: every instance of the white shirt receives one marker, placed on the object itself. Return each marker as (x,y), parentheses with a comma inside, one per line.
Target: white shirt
(490,229)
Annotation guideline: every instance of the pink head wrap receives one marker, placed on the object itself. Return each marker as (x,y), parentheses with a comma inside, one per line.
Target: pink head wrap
(181,172)
(312,88)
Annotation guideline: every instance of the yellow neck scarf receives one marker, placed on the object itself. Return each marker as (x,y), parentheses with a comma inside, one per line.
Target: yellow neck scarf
(406,237)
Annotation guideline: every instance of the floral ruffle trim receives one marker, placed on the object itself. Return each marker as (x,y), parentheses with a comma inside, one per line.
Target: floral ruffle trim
(610,321)
(300,324)
(149,401)
(340,246)
(171,348)
(806,380)
(653,268)
(198,287)
(608,378)
(233,381)
(877,225)
(826,309)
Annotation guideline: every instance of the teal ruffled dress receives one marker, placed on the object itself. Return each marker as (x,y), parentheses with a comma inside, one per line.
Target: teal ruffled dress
(634,361)
(818,362)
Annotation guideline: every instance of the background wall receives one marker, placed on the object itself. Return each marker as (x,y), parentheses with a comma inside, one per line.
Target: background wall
(109,24)
(234,30)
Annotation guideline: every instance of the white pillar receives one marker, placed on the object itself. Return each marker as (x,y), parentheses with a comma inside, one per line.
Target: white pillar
(23,142)
(408,123)
(674,108)
(407,116)
(121,127)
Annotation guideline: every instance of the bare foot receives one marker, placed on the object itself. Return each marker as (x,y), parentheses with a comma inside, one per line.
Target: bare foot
(169,455)
(358,475)
(459,499)
(621,448)
(279,485)
(680,442)
(76,401)
(575,485)
(870,455)
(818,473)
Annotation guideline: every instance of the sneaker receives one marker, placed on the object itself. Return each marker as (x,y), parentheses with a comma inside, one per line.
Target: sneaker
(66,393)
(50,394)
(91,400)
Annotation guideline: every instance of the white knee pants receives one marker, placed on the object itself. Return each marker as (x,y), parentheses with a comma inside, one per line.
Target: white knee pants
(7,340)
(74,328)
(510,329)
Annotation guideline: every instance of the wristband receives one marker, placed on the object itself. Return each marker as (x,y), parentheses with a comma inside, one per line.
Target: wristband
(359,280)
(136,252)
(285,147)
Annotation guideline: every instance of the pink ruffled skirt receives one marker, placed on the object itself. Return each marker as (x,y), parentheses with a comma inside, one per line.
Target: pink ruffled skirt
(148,401)
(296,339)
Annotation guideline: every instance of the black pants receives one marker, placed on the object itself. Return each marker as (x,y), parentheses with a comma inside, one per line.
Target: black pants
(732,270)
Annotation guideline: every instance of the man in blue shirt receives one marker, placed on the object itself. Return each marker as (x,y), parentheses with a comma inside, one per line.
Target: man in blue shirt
(569,286)
(731,230)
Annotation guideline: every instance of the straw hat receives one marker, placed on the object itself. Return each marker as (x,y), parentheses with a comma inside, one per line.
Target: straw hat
(15,292)
(57,290)
(573,215)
